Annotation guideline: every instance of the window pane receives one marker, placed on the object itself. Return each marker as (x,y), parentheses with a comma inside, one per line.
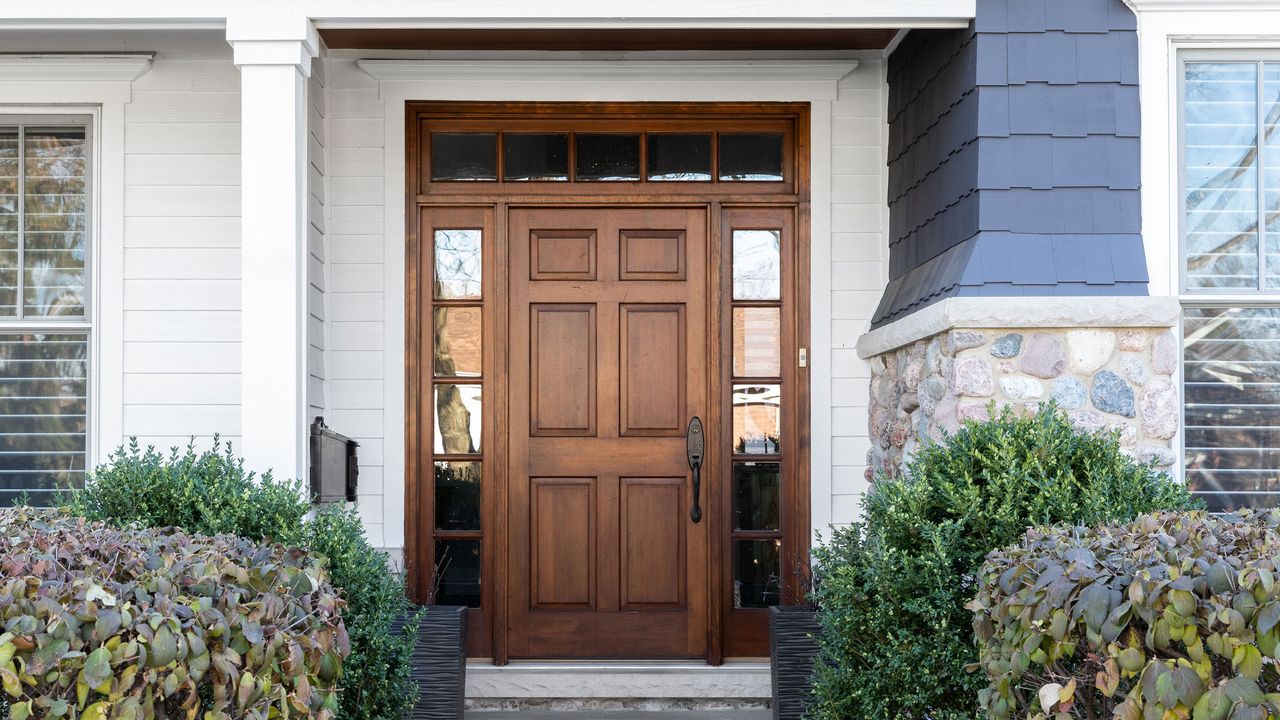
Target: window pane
(753,157)
(55,222)
(457,419)
(464,156)
(679,158)
(43,390)
(757,274)
(458,569)
(757,337)
(757,421)
(458,495)
(1271,172)
(458,264)
(757,580)
(535,157)
(1232,399)
(608,157)
(757,495)
(457,344)
(1220,169)
(9,222)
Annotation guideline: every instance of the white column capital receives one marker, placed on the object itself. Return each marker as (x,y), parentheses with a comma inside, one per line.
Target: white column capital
(273,40)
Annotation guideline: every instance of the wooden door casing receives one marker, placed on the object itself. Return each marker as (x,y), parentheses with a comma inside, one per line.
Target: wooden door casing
(608,362)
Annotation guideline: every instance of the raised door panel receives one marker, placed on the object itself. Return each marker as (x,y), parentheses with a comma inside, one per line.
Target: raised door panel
(562,370)
(562,255)
(651,254)
(562,525)
(652,370)
(652,561)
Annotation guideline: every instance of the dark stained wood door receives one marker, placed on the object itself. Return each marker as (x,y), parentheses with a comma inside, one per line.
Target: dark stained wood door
(608,362)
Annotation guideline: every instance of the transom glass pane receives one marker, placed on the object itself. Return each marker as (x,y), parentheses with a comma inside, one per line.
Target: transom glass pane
(757,419)
(464,156)
(54,218)
(459,572)
(678,158)
(457,341)
(1220,171)
(608,158)
(457,495)
(751,157)
(757,495)
(1231,386)
(757,339)
(535,157)
(457,419)
(43,411)
(458,266)
(757,270)
(757,573)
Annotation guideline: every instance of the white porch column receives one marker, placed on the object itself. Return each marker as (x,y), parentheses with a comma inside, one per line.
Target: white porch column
(274,56)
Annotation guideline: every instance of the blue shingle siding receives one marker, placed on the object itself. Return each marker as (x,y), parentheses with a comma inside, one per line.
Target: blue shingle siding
(1013,156)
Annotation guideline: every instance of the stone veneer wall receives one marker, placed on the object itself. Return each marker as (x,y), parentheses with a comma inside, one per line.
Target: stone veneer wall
(1104,379)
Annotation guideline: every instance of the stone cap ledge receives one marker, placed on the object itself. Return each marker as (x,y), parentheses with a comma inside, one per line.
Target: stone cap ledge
(998,313)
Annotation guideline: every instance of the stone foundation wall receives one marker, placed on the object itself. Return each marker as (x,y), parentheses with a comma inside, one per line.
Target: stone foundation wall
(1104,379)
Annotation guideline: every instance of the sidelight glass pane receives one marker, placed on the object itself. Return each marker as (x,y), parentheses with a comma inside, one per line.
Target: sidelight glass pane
(535,157)
(9,165)
(757,419)
(1271,173)
(457,495)
(464,156)
(751,157)
(458,570)
(607,158)
(757,495)
(757,577)
(54,217)
(457,419)
(1231,387)
(679,158)
(1220,171)
(757,338)
(757,271)
(457,342)
(43,408)
(458,266)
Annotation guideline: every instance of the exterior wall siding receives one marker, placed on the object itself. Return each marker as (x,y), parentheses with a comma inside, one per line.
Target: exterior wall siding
(1014,162)
(317,212)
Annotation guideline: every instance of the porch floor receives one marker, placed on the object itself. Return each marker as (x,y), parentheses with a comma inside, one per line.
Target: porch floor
(619,715)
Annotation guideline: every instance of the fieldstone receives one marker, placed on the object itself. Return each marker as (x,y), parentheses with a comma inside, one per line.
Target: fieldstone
(972,378)
(1088,421)
(1021,388)
(870,473)
(1159,408)
(898,437)
(958,340)
(1127,432)
(1043,356)
(1134,371)
(1164,354)
(1069,393)
(877,364)
(1007,346)
(1111,394)
(909,401)
(912,373)
(888,393)
(1007,367)
(1133,340)
(944,415)
(975,412)
(1158,455)
(1090,349)
(935,387)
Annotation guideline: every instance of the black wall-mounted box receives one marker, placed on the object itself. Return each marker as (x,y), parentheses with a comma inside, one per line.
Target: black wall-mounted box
(335,469)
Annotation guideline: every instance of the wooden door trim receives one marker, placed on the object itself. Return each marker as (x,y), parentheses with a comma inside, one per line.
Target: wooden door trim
(419,489)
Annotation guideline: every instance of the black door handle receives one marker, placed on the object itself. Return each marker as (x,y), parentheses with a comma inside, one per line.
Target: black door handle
(695,443)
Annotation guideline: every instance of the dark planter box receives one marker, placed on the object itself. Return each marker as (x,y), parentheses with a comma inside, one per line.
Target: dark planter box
(793,646)
(440,664)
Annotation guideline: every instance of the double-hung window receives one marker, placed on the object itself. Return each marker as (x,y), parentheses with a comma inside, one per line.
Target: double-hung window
(1230,230)
(44,317)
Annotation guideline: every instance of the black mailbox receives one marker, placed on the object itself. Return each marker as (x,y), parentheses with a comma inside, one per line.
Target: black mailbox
(334,468)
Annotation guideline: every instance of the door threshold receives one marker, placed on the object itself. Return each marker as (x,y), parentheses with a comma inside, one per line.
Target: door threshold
(607,679)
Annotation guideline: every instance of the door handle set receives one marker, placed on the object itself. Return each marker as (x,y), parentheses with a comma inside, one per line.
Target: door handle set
(695,444)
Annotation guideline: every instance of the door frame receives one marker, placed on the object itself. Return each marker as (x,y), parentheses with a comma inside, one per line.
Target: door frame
(489,636)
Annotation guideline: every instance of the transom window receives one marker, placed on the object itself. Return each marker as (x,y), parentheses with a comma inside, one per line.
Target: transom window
(1230,188)
(44,329)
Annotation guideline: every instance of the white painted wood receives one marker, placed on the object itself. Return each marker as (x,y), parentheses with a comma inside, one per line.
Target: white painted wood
(182,232)
(170,107)
(74,67)
(181,263)
(182,388)
(142,419)
(178,169)
(200,326)
(188,358)
(169,201)
(174,295)
(177,137)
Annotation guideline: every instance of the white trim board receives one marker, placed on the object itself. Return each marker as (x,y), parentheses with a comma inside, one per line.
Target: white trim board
(795,81)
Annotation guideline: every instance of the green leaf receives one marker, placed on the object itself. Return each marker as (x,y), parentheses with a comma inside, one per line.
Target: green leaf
(1248,661)
(97,667)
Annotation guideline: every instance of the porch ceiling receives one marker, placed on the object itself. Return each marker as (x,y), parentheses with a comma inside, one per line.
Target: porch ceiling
(621,39)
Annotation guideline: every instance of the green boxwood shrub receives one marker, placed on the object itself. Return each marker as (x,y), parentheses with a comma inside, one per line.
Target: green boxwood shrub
(212,492)
(896,636)
(100,623)
(1173,615)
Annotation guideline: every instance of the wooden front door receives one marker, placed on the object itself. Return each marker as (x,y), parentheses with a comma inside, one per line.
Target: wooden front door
(608,364)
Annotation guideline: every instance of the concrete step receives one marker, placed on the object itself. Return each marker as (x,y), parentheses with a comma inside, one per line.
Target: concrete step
(619,715)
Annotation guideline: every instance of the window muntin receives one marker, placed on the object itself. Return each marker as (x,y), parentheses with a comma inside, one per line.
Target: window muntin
(44,331)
